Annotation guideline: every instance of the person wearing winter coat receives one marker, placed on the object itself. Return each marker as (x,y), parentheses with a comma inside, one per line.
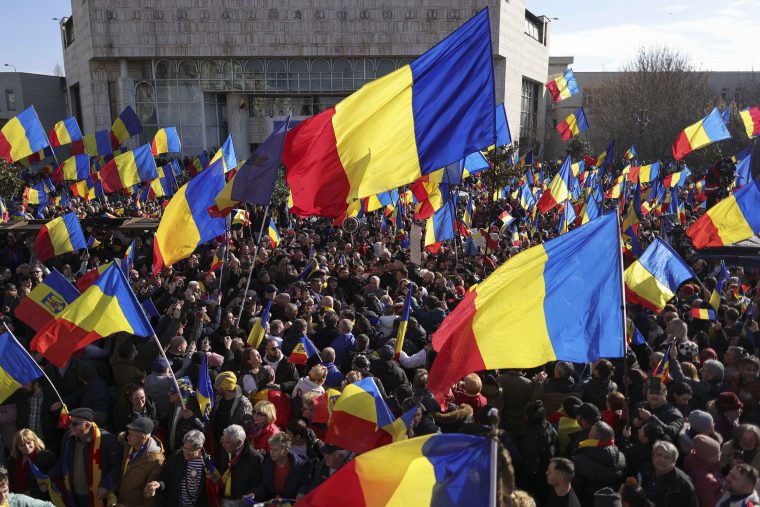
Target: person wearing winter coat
(538,444)
(386,370)
(600,385)
(230,406)
(313,382)
(263,427)
(243,463)
(297,480)
(659,412)
(664,484)
(740,487)
(701,465)
(517,392)
(142,462)
(561,385)
(598,463)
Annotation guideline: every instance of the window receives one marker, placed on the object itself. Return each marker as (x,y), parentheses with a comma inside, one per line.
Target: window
(68,32)
(76,103)
(10,100)
(534,28)
(528,110)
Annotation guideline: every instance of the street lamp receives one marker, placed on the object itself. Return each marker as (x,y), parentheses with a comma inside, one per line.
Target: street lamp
(10,65)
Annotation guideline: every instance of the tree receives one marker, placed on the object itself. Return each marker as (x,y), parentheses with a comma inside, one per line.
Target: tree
(58,71)
(578,147)
(654,97)
(10,182)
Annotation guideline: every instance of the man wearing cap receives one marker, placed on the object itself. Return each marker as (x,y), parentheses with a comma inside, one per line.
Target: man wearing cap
(334,459)
(90,460)
(230,406)
(587,414)
(387,370)
(181,419)
(142,461)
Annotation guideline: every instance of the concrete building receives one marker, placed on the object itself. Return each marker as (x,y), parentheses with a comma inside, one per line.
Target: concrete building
(212,68)
(728,86)
(21,90)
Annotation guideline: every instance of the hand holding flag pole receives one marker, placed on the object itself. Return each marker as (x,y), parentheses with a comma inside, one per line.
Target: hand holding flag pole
(255,255)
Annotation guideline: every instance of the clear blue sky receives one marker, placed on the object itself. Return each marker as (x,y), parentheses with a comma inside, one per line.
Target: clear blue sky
(600,35)
(603,35)
(30,38)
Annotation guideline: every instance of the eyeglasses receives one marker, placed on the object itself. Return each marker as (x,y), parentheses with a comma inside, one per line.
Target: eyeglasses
(74,424)
(262,414)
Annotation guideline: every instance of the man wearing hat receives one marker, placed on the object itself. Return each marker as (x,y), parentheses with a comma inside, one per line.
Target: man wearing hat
(142,462)
(90,461)
(182,419)
(334,459)
(387,370)
(230,406)
(586,415)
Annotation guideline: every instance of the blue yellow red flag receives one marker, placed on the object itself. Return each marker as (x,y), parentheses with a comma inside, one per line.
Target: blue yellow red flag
(46,300)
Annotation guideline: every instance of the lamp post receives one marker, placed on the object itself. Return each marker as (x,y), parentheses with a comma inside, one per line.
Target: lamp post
(10,65)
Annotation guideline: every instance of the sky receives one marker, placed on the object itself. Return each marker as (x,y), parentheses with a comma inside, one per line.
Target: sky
(601,35)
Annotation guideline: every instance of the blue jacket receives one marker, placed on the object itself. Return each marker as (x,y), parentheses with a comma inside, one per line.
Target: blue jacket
(343,344)
(297,481)
(334,376)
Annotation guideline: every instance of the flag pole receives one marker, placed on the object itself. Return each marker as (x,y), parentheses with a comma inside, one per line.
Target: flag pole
(5,324)
(493,434)
(622,308)
(163,354)
(253,262)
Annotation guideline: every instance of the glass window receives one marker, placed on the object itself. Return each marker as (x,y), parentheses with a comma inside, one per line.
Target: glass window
(343,75)
(144,92)
(254,74)
(277,75)
(528,110)
(298,76)
(192,135)
(169,113)
(320,75)
(10,100)
(191,114)
(146,112)
(188,70)
(165,70)
(189,91)
(385,66)
(364,71)
(166,91)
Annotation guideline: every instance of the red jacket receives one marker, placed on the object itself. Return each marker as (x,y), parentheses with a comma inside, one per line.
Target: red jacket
(260,436)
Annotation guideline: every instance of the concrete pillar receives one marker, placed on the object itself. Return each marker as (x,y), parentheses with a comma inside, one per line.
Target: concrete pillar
(237,124)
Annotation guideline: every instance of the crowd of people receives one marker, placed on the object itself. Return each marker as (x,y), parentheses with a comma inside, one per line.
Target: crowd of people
(615,432)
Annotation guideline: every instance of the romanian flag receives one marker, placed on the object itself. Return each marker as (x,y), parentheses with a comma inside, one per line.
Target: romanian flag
(205,391)
(59,236)
(751,119)
(568,217)
(573,124)
(503,134)
(564,294)
(186,222)
(87,279)
(95,145)
(218,260)
(440,226)
(676,179)
(653,279)
(404,321)
(303,351)
(124,127)
(74,168)
(630,153)
(469,210)
(226,154)
(424,116)
(703,313)
(109,306)
(241,217)
(435,470)
(17,368)
(661,371)
(46,300)
(735,218)
(35,195)
(706,131)
(65,132)
(559,188)
(82,188)
(527,199)
(56,498)
(360,418)
(198,163)
(259,329)
(166,140)
(274,236)
(743,167)
(590,210)
(22,136)
(563,86)
(129,169)
(645,173)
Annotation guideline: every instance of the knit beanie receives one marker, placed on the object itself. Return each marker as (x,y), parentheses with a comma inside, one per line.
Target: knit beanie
(225,381)
(706,448)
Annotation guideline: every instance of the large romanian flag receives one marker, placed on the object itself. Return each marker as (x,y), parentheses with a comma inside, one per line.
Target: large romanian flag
(22,135)
(59,236)
(109,306)
(653,279)
(65,132)
(435,470)
(129,169)
(166,140)
(424,116)
(751,118)
(573,125)
(735,218)
(557,301)
(17,368)
(46,300)
(708,130)
(186,222)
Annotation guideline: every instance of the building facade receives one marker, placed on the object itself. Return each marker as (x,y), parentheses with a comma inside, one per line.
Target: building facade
(212,68)
(20,90)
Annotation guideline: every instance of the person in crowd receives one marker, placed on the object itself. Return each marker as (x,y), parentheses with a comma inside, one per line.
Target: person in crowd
(285,474)
(135,404)
(726,410)
(27,449)
(701,465)
(313,382)
(538,445)
(559,477)
(77,464)
(598,463)
(17,499)
(239,464)
(664,483)
(263,427)
(743,447)
(143,460)
(183,477)
(285,373)
(157,386)
(184,414)
(741,483)
(230,406)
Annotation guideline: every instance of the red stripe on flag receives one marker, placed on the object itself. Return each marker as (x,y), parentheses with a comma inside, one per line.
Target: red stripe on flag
(43,246)
(5,148)
(704,233)
(61,340)
(682,146)
(554,90)
(754,113)
(306,147)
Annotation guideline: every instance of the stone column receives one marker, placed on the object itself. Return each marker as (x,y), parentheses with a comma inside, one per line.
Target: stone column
(237,124)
